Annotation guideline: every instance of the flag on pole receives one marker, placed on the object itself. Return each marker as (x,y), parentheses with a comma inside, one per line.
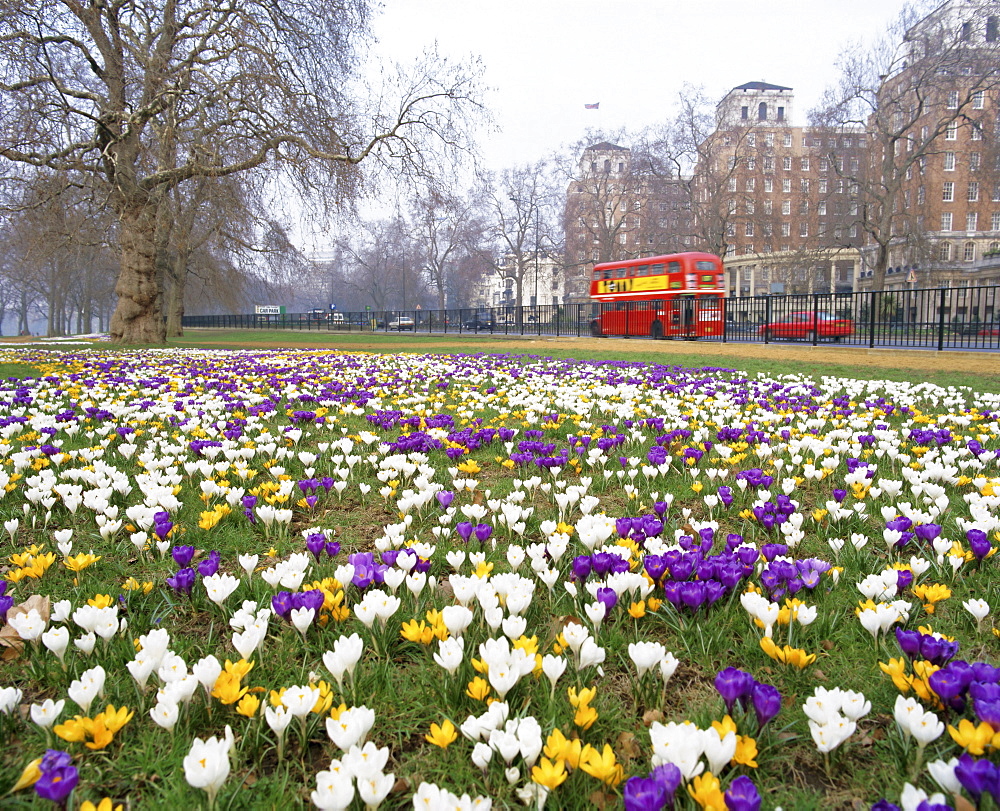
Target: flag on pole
(592,106)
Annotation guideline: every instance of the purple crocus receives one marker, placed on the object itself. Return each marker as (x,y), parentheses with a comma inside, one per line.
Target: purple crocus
(979,543)
(464,530)
(444,498)
(316,544)
(742,795)
(183,581)
(644,794)
(766,702)
(483,532)
(734,685)
(210,565)
(183,555)
(59,777)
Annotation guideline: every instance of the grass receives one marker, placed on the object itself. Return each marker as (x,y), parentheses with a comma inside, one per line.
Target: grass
(397,678)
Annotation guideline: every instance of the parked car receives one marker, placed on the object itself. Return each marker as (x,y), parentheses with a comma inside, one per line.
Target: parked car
(318,315)
(480,321)
(990,331)
(807,326)
(401,323)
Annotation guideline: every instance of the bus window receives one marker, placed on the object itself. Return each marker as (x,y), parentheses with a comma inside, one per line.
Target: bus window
(620,273)
(674,267)
(642,270)
(598,275)
(706,266)
(657,270)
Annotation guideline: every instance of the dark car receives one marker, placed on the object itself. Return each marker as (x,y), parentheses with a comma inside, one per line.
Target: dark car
(808,326)
(480,321)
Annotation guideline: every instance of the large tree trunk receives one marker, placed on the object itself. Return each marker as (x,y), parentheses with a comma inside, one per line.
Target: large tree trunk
(177,276)
(138,317)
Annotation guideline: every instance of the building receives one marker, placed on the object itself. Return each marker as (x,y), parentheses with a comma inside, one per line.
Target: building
(620,207)
(543,284)
(942,106)
(768,196)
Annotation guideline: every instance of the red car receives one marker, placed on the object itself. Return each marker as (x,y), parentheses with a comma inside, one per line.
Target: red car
(807,326)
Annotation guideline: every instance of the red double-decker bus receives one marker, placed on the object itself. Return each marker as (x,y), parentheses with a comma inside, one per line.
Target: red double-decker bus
(674,296)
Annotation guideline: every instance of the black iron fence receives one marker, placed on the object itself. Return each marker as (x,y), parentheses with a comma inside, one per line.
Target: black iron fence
(933,318)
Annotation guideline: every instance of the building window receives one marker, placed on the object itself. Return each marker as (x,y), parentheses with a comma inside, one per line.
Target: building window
(995,221)
(751,162)
(744,113)
(972,221)
(952,99)
(731,229)
(786,207)
(751,139)
(946,221)
(751,183)
(977,99)
(974,160)
(805,185)
(949,161)
(732,184)
(787,140)
(973,196)
(781,114)
(824,165)
(854,166)
(822,186)
(977,131)
(768,139)
(854,230)
(921,195)
(786,229)
(768,184)
(786,185)
(948,191)
(805,163)
(969,254)
(749,229)
(762,112)
(966,31)
(992,29)
(727,140)
(951,133)
(821,208)
(996,193)
(768,207)
(768,164)
(803,207)
(786,164)
(944,252)
(750,207)
(803,229)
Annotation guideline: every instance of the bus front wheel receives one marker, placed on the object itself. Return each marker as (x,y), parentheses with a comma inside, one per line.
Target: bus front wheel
(595,329)
(656,331)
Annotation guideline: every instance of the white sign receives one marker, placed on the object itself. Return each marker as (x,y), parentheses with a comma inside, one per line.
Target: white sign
(268,309)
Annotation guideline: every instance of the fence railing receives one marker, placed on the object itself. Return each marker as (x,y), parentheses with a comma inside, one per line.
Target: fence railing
(931,318)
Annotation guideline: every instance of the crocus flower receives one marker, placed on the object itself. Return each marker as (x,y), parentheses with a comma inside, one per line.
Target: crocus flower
(206,766)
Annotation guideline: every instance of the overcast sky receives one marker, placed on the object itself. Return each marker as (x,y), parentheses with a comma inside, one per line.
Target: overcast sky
(546,59)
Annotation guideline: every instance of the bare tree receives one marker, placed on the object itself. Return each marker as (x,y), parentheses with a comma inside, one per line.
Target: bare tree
(518,206)
(911,91)
(148,94)
(381,267)
(445,229)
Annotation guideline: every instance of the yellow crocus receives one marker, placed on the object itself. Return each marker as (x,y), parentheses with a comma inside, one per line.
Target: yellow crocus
(637,610)
(442,735)
(101,601)
(896,670)
(581,698)
(973,738)
(29,776)
(549,774)
(478,689)
(228,688)
(114,719)
(77,563)
(585,716)
(603,765)
(74,730)
(103,805)
(248,705)
(559,747)
(706,791)
(746,751)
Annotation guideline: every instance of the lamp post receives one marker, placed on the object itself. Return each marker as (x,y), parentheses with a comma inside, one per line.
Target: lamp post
(537,302)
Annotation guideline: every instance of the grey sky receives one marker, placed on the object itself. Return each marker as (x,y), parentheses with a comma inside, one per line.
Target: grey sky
(545,59)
